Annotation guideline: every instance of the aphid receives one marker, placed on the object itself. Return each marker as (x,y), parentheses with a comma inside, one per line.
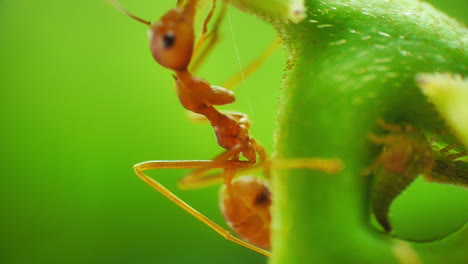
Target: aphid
(407,153)
(246,200)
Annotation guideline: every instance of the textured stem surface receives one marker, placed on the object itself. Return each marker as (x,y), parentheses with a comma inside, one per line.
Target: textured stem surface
(351,62)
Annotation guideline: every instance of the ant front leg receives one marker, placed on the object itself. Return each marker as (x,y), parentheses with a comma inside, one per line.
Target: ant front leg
(207,39)
(197,164)
(204,34)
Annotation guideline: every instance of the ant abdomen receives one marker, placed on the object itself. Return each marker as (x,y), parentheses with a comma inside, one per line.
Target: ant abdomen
(245,204)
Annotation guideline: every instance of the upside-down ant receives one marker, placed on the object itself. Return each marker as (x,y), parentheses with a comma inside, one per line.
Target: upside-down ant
(245,201)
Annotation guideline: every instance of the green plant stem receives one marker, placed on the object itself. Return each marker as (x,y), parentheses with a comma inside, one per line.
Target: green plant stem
(351,63)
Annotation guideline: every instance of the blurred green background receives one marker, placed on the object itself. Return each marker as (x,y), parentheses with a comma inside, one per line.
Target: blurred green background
(83,101)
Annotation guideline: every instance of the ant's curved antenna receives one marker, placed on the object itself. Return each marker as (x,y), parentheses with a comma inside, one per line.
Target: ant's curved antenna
(121,8)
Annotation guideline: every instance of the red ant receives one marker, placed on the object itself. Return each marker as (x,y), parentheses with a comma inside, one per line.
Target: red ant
(246,201)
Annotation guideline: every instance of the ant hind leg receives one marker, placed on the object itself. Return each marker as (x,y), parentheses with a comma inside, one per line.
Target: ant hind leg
(141,167)
(201,177)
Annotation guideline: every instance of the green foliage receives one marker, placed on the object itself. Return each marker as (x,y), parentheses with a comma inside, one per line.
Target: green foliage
(353,63)
(83,101)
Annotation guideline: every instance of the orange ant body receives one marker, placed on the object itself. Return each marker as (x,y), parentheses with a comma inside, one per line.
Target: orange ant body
(245,202)
(171,42)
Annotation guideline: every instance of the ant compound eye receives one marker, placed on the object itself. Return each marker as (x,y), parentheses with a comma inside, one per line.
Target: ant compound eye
(168,40)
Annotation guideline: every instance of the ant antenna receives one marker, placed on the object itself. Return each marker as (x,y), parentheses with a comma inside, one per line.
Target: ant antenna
(120,7)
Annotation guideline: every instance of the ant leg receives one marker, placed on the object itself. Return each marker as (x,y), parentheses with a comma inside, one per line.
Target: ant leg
(389,127)
(457,155)
(148,165)
(263,158)
(378,140)
(450,147)
(204,33)
(245,167)
(447,148)
(323,164)
(208,39)
(198,177)
(253,66)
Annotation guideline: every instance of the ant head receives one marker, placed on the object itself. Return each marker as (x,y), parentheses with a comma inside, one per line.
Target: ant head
(171,38)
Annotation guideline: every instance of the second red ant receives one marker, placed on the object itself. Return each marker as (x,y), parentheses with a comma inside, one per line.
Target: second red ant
(246,201)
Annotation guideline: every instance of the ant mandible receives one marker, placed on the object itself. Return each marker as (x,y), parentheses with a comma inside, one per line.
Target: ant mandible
(246,201)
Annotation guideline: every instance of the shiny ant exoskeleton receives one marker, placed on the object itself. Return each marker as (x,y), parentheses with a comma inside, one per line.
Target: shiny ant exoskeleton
(245,201)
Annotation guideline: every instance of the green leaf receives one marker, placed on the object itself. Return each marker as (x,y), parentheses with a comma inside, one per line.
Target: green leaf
(449,93)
